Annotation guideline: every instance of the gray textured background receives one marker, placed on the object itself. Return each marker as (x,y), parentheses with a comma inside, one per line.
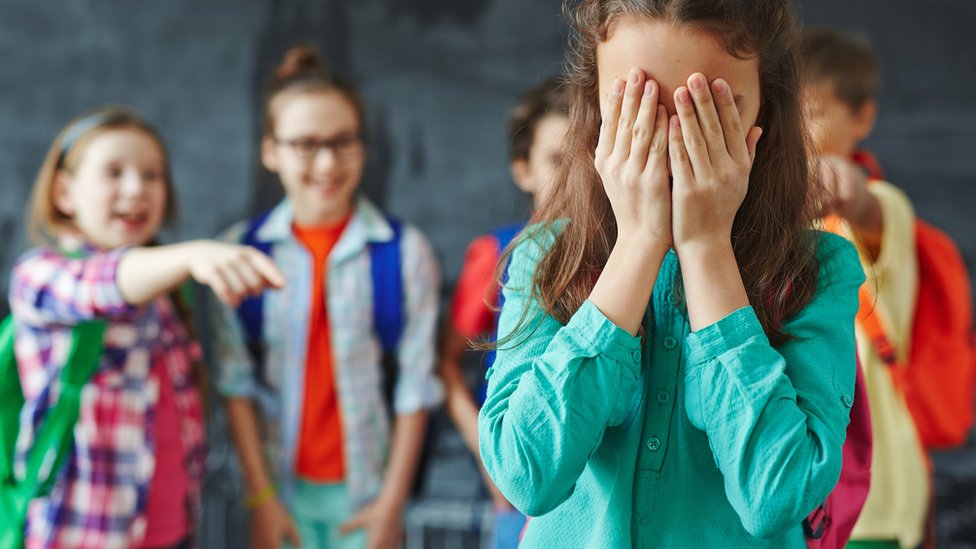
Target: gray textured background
(439,77)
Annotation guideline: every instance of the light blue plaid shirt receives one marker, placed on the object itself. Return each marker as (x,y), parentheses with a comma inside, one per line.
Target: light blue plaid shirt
(356,350)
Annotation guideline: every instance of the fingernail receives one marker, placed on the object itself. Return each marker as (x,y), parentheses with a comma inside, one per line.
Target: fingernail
(648,88)
(720,87)
(697,82)
(617,87)
(682,95)
(634,76)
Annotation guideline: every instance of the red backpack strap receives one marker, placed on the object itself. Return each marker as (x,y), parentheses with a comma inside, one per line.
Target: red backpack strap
(869,163)
(870,321)
(867,315)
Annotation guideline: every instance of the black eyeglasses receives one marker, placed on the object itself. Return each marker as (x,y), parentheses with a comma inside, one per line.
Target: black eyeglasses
(345,146)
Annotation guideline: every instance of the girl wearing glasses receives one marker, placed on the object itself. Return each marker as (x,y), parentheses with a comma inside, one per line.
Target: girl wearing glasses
(328,461)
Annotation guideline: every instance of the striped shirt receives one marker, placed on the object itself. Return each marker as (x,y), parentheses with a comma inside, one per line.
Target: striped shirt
(99,497)
(356,350)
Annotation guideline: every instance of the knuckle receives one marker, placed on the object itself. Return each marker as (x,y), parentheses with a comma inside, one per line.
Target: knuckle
(735,126)
(658,146)
(600,163)
(641,133)
(696,142)
(616,172)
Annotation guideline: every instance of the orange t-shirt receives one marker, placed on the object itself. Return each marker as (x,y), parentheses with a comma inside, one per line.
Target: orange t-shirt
(320,454)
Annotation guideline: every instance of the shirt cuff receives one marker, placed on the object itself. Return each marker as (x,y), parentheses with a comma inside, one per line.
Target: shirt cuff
(604,337)
(415,393)
(731,332)
(240,386)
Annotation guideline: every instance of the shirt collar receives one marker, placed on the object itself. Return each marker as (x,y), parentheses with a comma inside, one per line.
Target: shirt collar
(368,224)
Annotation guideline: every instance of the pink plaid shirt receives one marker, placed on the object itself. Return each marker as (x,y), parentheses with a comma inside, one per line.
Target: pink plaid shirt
(99,499)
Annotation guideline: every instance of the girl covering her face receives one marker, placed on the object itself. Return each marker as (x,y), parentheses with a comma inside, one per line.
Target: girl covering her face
(676,360)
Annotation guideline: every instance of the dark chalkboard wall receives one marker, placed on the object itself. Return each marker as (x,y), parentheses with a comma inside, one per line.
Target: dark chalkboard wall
(439,77)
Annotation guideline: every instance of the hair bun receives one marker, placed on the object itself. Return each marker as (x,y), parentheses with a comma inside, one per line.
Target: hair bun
(299,60)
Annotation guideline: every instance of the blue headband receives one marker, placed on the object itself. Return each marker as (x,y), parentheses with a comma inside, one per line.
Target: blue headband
(80,128)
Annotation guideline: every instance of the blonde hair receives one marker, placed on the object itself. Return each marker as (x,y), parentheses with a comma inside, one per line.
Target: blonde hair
(45,223)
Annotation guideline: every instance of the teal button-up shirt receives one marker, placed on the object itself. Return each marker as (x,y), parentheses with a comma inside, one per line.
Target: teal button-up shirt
(710,439)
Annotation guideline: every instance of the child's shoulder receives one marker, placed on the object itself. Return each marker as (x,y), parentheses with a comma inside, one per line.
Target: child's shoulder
(532,243)
(39,256)
(275,219)
(235,232)
(837,257)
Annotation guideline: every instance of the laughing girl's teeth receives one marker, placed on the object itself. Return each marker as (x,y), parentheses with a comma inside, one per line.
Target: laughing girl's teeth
(133,217)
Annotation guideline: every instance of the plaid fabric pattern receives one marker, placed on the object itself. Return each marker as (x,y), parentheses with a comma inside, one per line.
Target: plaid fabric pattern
(99,498)
(357,352)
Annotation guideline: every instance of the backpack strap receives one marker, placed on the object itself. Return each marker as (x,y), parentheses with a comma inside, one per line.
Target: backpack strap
(867,314)
(388,305)
(250,312)
(870,322)
(504,237)
(54,438)
(869,163)
(11,398)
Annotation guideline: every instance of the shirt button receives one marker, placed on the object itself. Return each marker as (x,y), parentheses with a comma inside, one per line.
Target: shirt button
(636,355)
(670,343)
(848,400)
(653,444)
(664,397)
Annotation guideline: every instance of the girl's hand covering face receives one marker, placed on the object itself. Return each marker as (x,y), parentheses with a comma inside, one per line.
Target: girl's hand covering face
(631,158)
(711,158)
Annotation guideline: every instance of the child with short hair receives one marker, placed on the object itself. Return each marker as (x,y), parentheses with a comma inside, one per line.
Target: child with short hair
(676,355)
(536,130)
(344,433)
(132,478)
(840,102)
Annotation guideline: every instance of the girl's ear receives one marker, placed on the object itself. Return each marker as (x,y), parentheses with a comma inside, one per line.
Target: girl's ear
(521,174)
(60,195)
(269,154)
(864,119)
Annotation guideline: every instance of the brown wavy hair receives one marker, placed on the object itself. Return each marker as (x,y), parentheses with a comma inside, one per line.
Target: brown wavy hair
(771,239)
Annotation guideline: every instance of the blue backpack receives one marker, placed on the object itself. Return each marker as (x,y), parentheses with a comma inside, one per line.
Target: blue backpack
(503,236)
(388,304)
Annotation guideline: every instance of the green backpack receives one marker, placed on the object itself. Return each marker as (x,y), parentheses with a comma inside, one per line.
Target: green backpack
(54,437)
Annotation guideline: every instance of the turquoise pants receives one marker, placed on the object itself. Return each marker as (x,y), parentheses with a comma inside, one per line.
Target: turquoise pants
(318,511)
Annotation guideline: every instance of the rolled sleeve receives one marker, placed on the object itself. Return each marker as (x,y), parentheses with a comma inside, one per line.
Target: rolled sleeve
(418,387)
(235,372)
(234,365)
(724,341)
(552,392)
(776,417)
